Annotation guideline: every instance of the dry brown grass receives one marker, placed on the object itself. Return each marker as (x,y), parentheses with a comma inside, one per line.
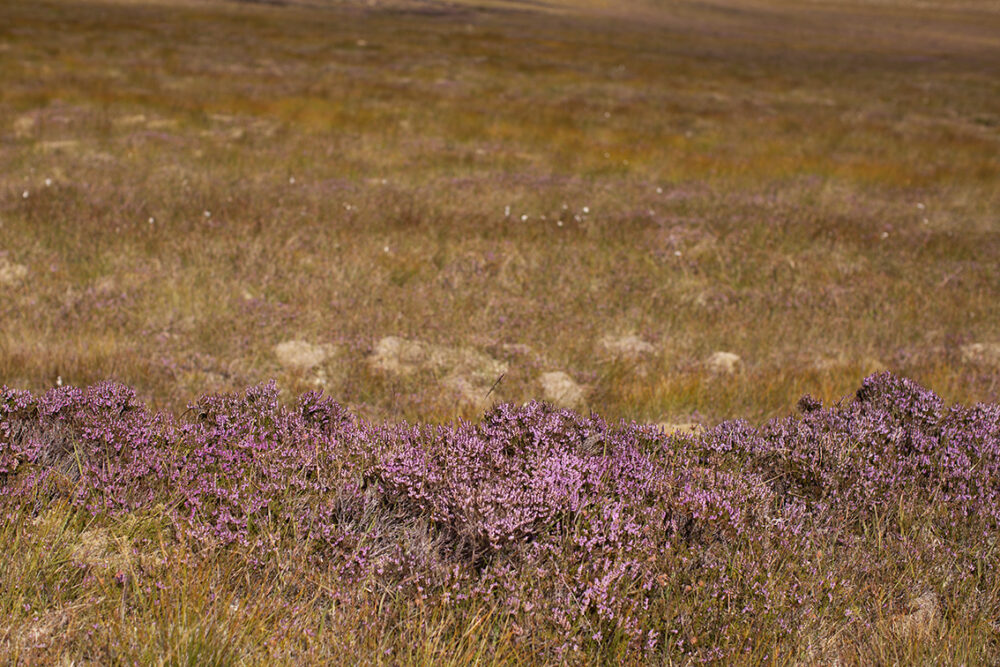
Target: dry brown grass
(812,186)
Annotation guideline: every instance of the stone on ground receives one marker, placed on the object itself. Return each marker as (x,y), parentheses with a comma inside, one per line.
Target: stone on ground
(560,389)
(301,355)
(981,353)
(724,362)
(398,356)
(630,348)
(464,371)
(24,126)
(922,619)
(10,273)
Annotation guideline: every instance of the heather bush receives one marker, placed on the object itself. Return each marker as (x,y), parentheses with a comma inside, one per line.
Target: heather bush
(98,444)
(895,442)
(610,540)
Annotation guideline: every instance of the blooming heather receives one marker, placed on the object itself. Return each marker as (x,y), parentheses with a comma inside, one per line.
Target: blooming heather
(566,522)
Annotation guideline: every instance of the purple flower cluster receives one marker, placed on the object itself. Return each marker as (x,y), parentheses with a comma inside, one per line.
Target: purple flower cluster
(569,523)
(894,442)
(99,445)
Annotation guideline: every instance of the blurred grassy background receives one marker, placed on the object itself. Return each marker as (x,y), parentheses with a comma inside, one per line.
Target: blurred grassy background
(813,187)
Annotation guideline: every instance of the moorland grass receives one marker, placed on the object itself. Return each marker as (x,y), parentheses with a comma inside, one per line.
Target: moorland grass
(811,187)
(186,185)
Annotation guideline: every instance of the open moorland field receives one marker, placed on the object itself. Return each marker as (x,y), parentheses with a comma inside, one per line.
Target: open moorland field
(680,213)
(814,190)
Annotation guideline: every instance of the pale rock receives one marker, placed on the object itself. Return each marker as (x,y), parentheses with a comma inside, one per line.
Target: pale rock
(922,619)
(321,380)
(136,119)
(630,347)
(162,124)
(301,355)
(724,362)
(401,357)
(466,372)
(92,547)
(562,390)
(98,549)
(23,126)
(10,273)
(398,356)
(981,353)
(43,630)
